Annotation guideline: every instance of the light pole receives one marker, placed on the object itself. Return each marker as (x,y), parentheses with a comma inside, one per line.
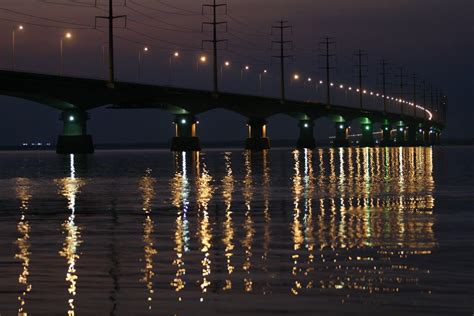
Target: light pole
(68,35)
(175,55)
(104,57)
(202,59)
(295,78)
(145,50)
(260,80)
(226,64)
(18,28)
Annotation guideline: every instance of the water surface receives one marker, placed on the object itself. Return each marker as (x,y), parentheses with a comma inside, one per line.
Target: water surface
(330,231)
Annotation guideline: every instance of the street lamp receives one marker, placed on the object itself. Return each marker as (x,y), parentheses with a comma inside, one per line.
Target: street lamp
(67,36)
(175,55)
(202,59)
(226,64)
(246,68)
(144,50)
(18,28)
(260,79)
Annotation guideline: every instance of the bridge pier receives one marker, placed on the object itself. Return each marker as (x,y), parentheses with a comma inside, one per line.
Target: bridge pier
(342,132)
(367,135)
(74,139)
(412,135)
(185,139)
(400,136)
(426,136)
(306,139)
(386,135)
(257,131)
(436,137)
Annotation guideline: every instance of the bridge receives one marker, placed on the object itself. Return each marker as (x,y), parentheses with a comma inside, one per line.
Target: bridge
(75,97)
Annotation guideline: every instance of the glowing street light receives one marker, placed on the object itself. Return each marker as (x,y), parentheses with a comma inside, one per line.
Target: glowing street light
(18,28)
(140,51)
(226,64)
(201,60)
(260,80)
(173,56)
(66,36)
(246,69)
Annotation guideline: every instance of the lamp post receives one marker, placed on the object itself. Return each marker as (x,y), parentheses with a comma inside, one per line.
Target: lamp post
(18,28)
(260,80)
(226,64)
(175,55)
(202,59)
(68,35)
(144,50)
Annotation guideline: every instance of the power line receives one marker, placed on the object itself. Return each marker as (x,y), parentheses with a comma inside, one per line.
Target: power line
(174,44)
(177,8)
(156,19)
(46,19)
(161,11)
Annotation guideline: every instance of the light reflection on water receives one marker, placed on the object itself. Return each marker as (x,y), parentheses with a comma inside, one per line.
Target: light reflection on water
(221,225)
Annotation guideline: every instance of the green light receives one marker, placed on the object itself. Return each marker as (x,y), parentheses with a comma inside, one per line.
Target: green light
(183,121)
(306,125)
(71,118)
(341,126)
(367,128)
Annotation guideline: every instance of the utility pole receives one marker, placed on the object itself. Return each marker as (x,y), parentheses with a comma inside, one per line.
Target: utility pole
(282,26)
(360,54)
(111,19)
(424,98)
(402,86)
(384,73)
(214,40)
(326,43)
(414,93)
(437,103)
(431,99)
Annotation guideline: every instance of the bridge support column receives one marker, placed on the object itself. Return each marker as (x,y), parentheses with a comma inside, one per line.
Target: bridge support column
(386,135)
(367,135)
(400,139)
(185,139)
(437,137)
(257,139)
(412,135)
(74,139)
(306,139)
(342,133)
(426,136)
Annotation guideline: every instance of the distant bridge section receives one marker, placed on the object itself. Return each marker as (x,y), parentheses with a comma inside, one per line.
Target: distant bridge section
(75,97)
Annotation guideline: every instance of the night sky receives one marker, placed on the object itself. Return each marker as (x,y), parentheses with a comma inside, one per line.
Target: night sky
(433,38)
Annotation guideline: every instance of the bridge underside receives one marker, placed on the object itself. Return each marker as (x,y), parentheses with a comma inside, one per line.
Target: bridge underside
(75,96)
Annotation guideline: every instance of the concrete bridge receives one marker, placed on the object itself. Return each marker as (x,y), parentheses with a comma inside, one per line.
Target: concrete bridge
(74,97)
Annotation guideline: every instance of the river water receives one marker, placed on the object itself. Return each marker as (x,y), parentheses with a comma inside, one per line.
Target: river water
(324,232)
